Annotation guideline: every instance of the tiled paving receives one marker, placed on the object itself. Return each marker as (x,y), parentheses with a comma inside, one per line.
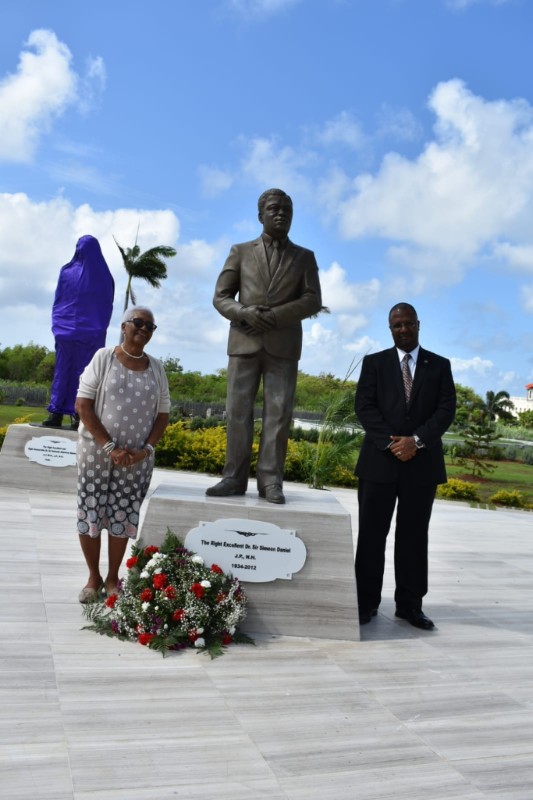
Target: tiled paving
(402,715)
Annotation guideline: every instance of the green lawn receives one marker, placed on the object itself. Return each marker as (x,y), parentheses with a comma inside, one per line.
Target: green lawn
(9,414)
(508,475)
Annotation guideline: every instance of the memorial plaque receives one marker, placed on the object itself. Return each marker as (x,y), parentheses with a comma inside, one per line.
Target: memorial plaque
(251,550)
(51,451)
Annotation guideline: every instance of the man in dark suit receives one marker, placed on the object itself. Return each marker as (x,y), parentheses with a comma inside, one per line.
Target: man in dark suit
(278,286)
(405,401)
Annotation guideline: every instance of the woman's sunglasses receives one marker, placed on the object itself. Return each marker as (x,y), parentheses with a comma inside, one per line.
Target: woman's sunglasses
(142,323)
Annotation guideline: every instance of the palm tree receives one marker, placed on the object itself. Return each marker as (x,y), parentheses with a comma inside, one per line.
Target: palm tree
(498,405)
(148,265)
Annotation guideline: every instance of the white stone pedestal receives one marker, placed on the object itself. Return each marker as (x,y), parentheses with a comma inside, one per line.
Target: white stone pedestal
(18,471)
(321,599)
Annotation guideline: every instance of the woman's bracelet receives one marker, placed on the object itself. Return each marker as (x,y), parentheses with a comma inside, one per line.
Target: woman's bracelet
(108,447)
(149,449)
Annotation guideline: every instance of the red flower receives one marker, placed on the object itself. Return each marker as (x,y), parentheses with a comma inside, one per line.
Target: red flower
(193,635)
(216,568)
(159,581)
(197,589)
(170,592)
(146,595)
(221,596)
(178,615)
(111,600)
(227,638)
(150,550)
(146,638)
(131,562)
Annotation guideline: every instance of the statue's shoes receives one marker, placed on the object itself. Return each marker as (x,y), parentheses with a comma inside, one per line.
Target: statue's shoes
(273,493)
(53,421)
(224,488)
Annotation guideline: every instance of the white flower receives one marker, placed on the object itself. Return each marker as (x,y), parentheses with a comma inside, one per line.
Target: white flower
(231,631)
(145,574)
(158,570)
(197,559)
(205,584)
(199,630)
(157,608)
(145,606)
(199,642)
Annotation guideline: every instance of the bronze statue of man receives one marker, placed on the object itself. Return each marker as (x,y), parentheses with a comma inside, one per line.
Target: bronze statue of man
(277,286)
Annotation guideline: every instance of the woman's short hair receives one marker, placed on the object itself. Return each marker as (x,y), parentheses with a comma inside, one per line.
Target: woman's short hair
(130,313)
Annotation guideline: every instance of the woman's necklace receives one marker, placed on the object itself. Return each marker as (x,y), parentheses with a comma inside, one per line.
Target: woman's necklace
(129,354)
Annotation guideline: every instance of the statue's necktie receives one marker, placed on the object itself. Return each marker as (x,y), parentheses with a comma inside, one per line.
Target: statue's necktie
(407,377)
(274,258)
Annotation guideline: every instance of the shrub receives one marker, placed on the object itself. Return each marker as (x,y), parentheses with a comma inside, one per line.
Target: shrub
(3,432)
(170,445)
(204,450)
(456,489)
(508,498)
(297,460)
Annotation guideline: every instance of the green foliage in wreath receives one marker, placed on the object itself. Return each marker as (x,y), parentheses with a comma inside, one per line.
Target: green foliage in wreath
(171,600)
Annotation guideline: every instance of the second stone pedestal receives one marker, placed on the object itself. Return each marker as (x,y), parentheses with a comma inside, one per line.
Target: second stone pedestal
(320,600)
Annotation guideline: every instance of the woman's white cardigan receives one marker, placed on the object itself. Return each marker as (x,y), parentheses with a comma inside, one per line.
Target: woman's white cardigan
(92,381)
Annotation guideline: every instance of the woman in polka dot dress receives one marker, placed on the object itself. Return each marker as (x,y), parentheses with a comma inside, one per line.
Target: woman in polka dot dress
(123,402)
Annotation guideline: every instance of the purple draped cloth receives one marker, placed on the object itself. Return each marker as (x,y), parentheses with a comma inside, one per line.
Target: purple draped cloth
(81,313)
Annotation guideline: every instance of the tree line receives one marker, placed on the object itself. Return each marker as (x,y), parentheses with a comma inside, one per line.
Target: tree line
(34,364)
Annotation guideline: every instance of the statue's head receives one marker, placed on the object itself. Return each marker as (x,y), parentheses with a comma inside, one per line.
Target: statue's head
(275,213)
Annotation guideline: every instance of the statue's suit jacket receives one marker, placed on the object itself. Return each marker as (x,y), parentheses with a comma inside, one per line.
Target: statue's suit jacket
(293,293)
(383,411)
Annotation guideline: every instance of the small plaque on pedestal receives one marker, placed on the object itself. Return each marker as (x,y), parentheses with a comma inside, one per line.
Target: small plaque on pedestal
(250,549)
(51,451)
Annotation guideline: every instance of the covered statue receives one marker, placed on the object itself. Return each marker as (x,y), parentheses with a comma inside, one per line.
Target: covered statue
(81,313)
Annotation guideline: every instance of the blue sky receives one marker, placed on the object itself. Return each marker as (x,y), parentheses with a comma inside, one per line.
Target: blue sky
(402,129)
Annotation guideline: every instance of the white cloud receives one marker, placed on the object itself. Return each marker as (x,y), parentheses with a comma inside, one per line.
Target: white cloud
(398,124)
(93,83)
(470,188)
(268,163)
(198,257)
(476,365)
(341,295)
(342,129)
(462,4)
(214,181)
(261,8)
(526,294)
(42,87)
(519,257)
(38,238)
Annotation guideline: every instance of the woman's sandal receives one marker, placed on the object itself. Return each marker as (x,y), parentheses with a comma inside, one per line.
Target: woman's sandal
(111,589)
(89,595)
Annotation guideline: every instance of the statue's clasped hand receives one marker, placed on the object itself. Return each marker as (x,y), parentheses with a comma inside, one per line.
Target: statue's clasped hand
(257,319)
(403,447)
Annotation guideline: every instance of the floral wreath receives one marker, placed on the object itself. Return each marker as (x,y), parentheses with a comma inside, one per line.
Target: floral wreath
(171,600)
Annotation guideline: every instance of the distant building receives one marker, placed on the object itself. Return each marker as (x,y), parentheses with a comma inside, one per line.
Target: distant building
(523,403)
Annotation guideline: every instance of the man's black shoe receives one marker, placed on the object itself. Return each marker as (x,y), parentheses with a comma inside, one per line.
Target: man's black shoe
(416,617)
(366,615)
(273,493)
(224,488)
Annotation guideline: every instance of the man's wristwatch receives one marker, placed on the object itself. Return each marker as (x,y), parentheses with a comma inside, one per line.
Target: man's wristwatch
(419,443)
